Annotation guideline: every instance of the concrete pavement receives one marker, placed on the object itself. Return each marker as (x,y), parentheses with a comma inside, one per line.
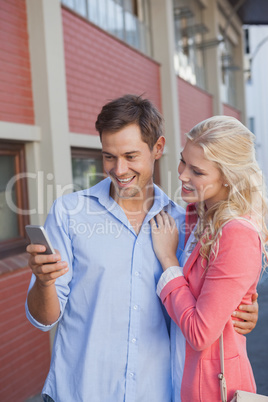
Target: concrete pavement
(257,340)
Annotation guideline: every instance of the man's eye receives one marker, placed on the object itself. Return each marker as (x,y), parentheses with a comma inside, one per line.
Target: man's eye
(182,161)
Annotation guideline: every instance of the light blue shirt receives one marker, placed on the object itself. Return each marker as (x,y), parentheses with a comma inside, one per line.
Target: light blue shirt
(112,342)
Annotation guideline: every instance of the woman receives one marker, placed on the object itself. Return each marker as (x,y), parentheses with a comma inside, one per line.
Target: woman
(222,258)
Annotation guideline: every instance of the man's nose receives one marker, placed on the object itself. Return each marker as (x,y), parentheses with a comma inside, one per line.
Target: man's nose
(121,167)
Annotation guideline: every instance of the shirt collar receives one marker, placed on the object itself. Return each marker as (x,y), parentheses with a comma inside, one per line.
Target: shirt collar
(101,191)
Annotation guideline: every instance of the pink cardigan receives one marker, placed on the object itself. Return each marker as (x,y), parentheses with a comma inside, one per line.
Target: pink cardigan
(201,304)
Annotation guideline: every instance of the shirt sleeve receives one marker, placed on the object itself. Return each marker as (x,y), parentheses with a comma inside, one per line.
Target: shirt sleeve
(227,280)
(56,226)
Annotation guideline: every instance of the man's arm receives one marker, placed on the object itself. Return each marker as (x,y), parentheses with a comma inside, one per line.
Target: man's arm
(249,315)
(43,302)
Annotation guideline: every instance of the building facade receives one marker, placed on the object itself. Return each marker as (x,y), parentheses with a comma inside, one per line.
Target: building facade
(60,62)
(256,63)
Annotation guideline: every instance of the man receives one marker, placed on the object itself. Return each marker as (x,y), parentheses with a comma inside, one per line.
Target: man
(112,340)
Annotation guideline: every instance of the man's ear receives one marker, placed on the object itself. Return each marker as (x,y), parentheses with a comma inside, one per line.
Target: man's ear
(159,147)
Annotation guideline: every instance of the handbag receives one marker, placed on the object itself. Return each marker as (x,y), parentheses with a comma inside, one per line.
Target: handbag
(242,396)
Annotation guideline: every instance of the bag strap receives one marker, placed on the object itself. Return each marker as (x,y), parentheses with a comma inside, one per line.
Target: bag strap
(221,377)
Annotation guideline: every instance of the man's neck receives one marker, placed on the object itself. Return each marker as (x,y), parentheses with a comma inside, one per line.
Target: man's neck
(137,207)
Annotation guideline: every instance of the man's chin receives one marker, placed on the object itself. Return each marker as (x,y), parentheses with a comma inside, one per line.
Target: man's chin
(126,193)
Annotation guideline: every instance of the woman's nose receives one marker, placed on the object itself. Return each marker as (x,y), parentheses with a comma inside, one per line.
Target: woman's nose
(183,172)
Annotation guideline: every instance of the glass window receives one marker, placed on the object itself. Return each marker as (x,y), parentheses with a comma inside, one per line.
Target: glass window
(9,227)
(189,31)
(87,168)
(81,7)
(228,94)
(93,11)
(128,20)
(13,199)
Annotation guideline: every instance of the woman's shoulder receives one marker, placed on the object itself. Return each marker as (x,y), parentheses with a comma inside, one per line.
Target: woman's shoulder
(241,226)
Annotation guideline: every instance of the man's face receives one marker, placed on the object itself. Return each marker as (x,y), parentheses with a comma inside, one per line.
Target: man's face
(129,162)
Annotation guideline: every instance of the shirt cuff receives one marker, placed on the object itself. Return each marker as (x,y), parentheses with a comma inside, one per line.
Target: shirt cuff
(38,324)
(168,275)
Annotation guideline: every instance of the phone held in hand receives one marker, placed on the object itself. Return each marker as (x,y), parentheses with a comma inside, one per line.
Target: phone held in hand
(38,235)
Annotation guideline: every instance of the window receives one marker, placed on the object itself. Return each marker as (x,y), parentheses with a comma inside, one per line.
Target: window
(228,94)
(86,167)
(189,31)
(13,199)
(247,47)
(251,123)
(128,20)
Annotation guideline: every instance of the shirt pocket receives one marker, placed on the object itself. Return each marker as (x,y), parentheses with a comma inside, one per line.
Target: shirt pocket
(210,383)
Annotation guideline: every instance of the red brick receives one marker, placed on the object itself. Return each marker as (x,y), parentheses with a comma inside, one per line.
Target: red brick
(24,350)
(231,111)
(15,64)
(93,77)
(192,112)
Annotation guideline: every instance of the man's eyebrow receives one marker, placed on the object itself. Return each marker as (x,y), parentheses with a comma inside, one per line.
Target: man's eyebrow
(132,152)
(126,153)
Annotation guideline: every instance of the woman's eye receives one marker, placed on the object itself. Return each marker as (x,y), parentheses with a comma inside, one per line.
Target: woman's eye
(198,173)
(182,161)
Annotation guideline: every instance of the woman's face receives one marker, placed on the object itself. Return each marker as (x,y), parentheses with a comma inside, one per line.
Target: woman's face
(201,178)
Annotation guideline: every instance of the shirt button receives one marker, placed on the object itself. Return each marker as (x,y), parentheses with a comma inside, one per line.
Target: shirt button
(135,307)
(137,273)
(131,375)
(134,340)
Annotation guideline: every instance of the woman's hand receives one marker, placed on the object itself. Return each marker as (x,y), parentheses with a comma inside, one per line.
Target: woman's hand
(165,239)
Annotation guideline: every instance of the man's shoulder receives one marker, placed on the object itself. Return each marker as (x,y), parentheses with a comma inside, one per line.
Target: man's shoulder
(78,199)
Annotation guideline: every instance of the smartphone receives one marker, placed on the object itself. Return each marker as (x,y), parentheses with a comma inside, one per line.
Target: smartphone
(38,235)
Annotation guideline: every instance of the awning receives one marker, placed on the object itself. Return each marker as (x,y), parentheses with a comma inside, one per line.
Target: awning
(252,12)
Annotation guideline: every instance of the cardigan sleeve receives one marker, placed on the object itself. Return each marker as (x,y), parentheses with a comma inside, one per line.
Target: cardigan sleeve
(228,278)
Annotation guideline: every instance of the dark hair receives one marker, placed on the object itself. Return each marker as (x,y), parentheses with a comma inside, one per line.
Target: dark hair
(131,109)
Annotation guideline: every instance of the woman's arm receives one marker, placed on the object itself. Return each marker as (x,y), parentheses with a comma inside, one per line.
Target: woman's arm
(227,280)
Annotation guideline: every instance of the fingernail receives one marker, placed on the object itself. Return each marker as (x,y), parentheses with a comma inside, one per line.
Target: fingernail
(234,313)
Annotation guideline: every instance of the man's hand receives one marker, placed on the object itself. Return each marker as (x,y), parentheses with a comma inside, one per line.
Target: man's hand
(249,315)
(43,302)
(46,267)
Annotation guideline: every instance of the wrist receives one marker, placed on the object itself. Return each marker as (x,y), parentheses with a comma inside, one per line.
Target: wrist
(44,285)
(169,261)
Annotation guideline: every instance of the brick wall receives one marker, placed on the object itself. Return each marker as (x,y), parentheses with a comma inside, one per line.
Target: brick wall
(24,350)
(195,105)
(99,68)
(16,102)
(231,111)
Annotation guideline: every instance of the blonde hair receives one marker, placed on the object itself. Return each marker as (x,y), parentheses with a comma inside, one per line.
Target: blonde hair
(228,143)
